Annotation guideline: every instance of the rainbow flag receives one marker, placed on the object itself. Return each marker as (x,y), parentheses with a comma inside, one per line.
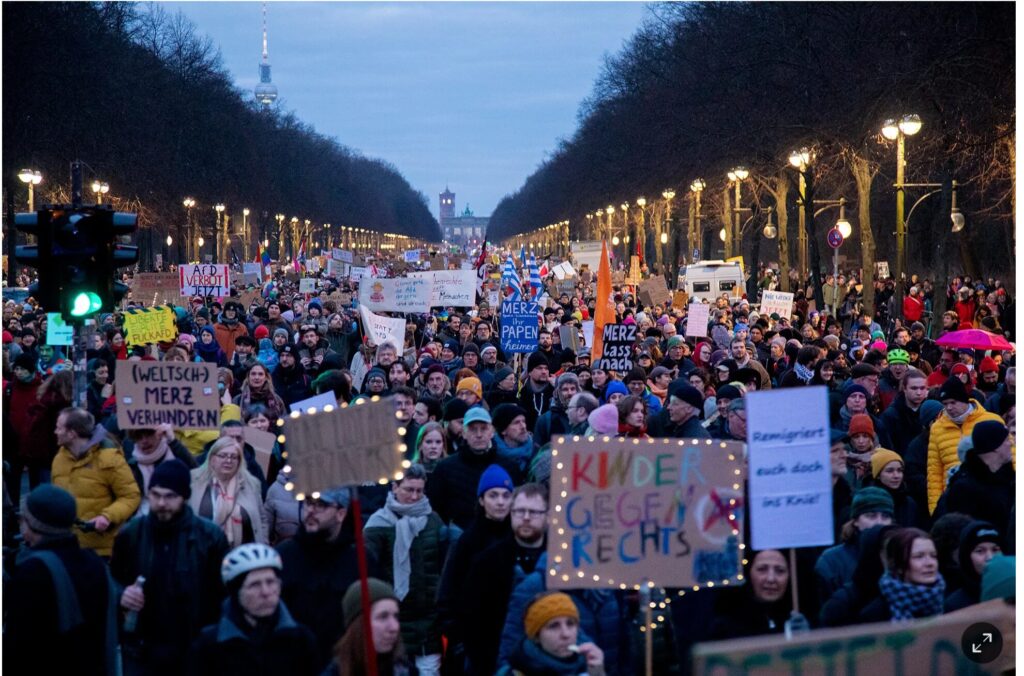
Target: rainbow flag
(264,256)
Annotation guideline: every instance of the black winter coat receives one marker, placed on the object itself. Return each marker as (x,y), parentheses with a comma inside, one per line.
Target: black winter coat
(278,645)
(291,385)
(452,487)
(915,467)
(738,615)
(316,575)
(978,492)
(535,403)
(181,563)
(901,424)
(660,425)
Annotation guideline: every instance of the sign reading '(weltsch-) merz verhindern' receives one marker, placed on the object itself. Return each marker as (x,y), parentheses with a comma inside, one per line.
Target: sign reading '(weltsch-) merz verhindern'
(150,393)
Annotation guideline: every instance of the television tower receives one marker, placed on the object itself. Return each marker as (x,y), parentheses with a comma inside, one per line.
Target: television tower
(266,91)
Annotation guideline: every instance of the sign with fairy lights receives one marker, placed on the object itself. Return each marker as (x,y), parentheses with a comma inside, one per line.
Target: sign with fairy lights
(343,446)
(630,512)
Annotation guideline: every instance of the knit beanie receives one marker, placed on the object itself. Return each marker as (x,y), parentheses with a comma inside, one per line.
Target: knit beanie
(174,476)
(615,387)
(988,435)
(929,411)
(49,510)
(494,476)
(681,389)
(261,332)
(635,373)
(27,361)
(862,424)
(999,580)
(376,372)
(675,340)
(503,415)
(567,377)
(455,409)
(502,373)
(871,499)
(604,419)
(352,602)
(471,385)
(953,389)
(282,331)
(470,347)
(853,388)
(546,608)
(988,365)
(881,458)
(729,392)
(973,535)
(534,360)
(8,337)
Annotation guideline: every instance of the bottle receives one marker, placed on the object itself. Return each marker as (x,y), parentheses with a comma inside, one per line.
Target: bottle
(131,618)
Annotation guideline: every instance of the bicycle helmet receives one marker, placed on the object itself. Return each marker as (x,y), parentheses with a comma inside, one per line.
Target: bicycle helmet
(899,356)
(248,557)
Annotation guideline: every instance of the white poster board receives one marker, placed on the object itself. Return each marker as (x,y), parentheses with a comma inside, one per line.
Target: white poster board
(206,279)
(307,285)
(587,253)
(399,294)
(383,329)
(317,401)
(452,288)
(57,332)
(790,480)
(780,302)
(342,256)
(251,272)
(697,320)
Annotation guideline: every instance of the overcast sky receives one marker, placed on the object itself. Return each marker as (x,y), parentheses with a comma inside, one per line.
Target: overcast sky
(472,94)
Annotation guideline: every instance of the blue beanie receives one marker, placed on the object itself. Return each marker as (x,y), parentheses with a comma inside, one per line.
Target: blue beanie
(494,476)
(853,388)
(49,510)
(929,411)
(613,387)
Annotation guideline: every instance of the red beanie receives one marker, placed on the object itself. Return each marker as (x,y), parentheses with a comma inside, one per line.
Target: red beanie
(261,332)
(862,424)
(988,365)
(8,338)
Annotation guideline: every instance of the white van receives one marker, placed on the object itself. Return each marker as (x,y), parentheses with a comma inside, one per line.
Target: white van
(708,280)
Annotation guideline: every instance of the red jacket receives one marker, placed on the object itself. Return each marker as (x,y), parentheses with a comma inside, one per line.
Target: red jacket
(20,398)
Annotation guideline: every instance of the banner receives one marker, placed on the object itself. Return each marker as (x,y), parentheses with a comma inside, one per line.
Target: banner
(520,326)
(452,288)
(57,332)
(203,280)
(372,450)
(780,302)
(697,320)
(337,269)
(156,288)
(382,330)
(669,511)
(790,491)
(149,325)
(399,294)
(617,347)
(150,393)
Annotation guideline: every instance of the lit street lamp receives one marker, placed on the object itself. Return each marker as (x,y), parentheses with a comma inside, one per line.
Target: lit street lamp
(894,130)
(734,244)
(695,231)
(32,178)
(803,161)
(220,235)
(185,240)
(100,188)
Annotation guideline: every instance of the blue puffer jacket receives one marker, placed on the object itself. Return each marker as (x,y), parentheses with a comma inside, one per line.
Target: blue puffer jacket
(603,620)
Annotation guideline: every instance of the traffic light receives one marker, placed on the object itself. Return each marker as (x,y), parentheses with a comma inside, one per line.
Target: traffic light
(81,254)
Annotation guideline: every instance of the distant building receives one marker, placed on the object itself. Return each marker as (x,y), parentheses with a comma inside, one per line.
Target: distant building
(463,229)
(266,91)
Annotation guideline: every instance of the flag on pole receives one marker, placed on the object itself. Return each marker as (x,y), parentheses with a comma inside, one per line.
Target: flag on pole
(264,256)
(544,269)
(604,312)
(536,288)
(510,279)
(522,255)
(300,259)
(481,268)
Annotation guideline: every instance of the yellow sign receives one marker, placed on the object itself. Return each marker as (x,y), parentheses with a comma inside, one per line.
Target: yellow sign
(737,259)
(149,325)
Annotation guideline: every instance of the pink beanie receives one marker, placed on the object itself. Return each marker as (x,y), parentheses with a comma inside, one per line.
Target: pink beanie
(879,345)
(605,419)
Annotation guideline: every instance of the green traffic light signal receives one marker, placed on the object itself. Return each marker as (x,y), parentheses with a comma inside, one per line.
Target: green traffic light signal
(85,303)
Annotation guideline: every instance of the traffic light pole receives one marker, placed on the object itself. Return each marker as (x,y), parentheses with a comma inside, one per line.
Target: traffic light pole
(84,330)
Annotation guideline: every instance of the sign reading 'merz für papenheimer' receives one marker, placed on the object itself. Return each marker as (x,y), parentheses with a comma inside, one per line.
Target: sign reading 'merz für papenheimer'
(150,393)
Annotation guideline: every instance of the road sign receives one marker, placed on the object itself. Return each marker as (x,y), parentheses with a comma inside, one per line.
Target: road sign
(835,238)
(696,254)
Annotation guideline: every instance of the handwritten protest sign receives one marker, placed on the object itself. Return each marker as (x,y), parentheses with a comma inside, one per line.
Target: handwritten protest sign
(930,646)
(183,394)
(400,294)
(452,288)
(412,256)
(697,320)
(629,510)
(342,255)
(156,288)
(653,291)
(207,279)
(149,325)
(680,299)
(780,302)
(616,353)
(316,401)
(519,326)
(790,480)
(252,272)
(307,285)
(351,445)
(383,329)
(57,332)
(882,269)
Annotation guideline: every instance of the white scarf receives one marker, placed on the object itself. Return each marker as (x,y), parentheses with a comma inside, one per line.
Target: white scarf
(408,521)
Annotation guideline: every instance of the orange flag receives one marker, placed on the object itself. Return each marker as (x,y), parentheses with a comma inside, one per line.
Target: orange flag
(604,310)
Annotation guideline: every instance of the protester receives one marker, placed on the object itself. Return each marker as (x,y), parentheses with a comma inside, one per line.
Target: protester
(760,607)
(225,492)
(551,643)
(911,586)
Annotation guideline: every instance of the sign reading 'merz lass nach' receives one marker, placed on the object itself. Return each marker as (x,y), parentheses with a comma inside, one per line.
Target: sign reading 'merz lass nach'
(630,511)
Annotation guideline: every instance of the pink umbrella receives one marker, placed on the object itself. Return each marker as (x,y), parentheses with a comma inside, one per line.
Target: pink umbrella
(974,338)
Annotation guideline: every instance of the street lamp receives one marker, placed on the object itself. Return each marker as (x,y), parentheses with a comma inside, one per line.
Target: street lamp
(100,188)
(908,125)
(736,176)
(220,235)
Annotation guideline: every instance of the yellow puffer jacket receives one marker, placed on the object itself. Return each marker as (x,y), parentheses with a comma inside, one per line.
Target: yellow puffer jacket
(102,483)
(944,437)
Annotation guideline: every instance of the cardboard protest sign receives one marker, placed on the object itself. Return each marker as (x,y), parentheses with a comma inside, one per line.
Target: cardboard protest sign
(399,294)
(617,341)
(205,279)
(307,285)
(790,477)
(344,446)
(780,302)
(341,299)
(563,270)
(569,338)
(57,332)
(156,288)
(882,269)
(697,320)
(252,272)
(566,286)
(929,646)
(618,277)
(246,298)
(381,329)
(653,291)
(520,326)
(149,325)
(150,393)
(680,299)
(262,443)
(625,511)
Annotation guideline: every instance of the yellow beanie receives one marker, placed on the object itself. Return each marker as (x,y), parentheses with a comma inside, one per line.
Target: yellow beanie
(881,458)
(546,608)
(472,385)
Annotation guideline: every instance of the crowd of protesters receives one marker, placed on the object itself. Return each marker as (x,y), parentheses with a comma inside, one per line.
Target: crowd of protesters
(174,551)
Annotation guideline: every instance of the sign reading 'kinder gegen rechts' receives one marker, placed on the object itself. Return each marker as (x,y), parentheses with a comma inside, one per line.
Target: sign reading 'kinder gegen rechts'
(150,393)
(626,511)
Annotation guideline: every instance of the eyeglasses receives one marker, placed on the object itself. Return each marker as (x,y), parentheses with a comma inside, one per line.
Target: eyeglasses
(226,457)
(528,513)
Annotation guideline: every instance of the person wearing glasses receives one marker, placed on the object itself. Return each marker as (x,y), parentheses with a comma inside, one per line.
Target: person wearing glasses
(225,492)
(496,571)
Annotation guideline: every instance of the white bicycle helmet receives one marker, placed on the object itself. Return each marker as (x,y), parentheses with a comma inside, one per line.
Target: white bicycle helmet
(244,558)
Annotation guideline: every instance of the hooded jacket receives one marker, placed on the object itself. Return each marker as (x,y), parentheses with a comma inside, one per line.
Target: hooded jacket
(225,332)
(943,439)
